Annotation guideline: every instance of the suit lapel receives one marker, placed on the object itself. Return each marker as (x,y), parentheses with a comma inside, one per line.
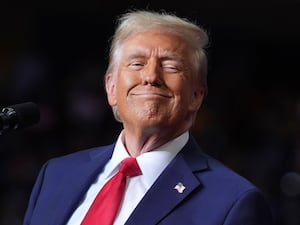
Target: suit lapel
(75,188)
(162,198)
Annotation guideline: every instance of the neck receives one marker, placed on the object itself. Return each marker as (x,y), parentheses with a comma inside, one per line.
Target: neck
(137,143)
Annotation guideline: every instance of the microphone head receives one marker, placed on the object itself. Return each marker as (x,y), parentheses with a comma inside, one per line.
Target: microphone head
(27,113)
(19,116)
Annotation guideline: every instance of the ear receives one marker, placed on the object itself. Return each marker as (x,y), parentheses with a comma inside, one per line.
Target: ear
(110,87)
(197,98)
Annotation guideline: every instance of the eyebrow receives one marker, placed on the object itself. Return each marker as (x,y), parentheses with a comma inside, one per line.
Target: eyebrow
(170,55)
(163,54)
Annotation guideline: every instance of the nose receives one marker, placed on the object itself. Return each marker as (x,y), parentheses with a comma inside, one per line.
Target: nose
(152,74)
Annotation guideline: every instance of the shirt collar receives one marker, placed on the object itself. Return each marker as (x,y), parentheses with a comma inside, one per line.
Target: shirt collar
(152,163)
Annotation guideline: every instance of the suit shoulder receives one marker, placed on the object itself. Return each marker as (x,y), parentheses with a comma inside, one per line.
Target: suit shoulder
(83,154)
(212,172)
(230,180)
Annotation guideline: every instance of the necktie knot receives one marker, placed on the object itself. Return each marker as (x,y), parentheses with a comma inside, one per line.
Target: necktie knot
(130,167)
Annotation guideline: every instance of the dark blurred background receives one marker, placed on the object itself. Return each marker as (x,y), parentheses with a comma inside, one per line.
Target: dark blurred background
(55,54)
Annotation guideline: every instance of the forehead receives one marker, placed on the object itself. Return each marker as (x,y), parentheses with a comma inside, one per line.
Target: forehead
(157,43)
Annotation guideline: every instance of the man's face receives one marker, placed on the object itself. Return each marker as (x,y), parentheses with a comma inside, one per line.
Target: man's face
(153,85)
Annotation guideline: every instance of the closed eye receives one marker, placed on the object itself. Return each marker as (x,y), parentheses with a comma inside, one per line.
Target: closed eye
(171,66)
(136,65)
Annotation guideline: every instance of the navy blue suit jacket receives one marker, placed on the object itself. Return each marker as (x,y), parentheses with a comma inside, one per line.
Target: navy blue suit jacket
(214,194)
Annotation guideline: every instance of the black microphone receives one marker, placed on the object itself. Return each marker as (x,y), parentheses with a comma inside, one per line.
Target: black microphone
(18,116)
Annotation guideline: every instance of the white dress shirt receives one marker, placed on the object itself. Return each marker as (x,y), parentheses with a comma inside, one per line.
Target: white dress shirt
(151,163)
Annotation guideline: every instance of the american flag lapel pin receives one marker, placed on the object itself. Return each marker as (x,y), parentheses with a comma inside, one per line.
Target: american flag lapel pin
(180,187)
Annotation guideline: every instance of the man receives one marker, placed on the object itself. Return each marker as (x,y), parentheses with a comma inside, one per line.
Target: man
(155,83)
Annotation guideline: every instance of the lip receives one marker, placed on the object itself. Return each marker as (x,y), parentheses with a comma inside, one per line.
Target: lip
(151,94)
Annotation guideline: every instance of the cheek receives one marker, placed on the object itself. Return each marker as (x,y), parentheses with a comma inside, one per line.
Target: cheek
(125,82)
(173,81)
(179,87)
(128,80)
(183,91)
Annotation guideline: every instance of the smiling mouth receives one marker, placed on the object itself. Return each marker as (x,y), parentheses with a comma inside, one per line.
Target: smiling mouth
(151,95)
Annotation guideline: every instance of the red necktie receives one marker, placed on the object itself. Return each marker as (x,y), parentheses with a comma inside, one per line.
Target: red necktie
(106,204)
